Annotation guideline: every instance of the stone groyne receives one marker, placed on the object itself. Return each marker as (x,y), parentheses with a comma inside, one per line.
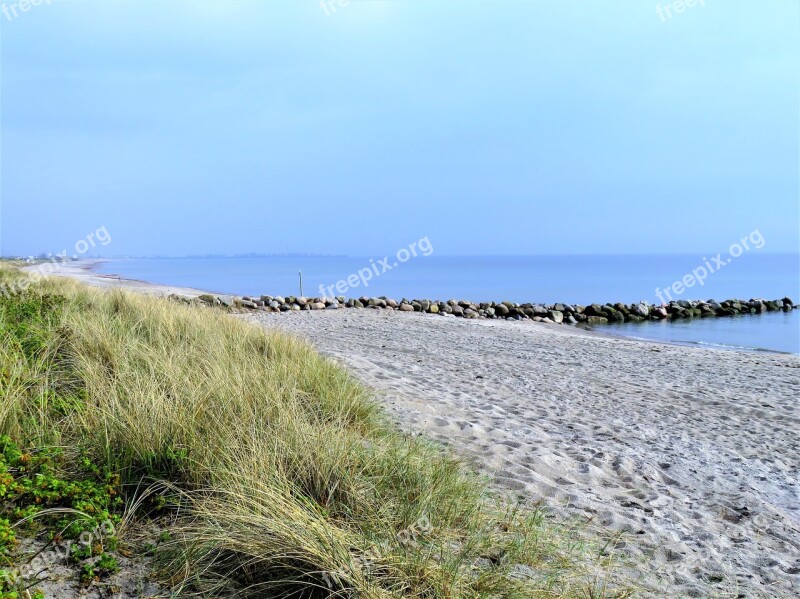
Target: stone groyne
(555,313)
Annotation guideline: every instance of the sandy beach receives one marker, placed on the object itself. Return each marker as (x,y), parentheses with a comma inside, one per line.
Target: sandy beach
(692,453)
(85,271)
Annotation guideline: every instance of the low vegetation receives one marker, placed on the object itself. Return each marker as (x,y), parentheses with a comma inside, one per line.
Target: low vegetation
(277,473)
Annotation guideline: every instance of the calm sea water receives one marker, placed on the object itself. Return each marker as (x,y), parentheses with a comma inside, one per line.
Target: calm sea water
(546,279)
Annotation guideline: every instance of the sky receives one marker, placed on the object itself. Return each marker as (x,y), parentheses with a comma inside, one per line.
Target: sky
(336,127)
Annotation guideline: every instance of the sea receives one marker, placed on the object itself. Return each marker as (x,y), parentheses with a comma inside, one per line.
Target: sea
(537,279)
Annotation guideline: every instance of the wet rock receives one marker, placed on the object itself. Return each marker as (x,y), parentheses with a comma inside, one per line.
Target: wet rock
(596,319)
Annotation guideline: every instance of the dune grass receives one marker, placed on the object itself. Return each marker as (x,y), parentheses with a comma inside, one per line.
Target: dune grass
(283,477)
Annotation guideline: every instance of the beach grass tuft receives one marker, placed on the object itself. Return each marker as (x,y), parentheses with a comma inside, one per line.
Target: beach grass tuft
(280,474)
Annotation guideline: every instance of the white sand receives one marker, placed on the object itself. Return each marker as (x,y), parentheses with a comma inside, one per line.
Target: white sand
(692,452)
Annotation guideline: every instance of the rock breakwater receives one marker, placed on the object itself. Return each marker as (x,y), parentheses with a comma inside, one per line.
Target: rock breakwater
(554,313)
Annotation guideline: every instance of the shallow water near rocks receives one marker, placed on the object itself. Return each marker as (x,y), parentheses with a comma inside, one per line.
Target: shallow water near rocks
(771,331)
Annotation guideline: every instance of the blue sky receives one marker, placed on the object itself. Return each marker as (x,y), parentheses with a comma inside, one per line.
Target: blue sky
(489,127)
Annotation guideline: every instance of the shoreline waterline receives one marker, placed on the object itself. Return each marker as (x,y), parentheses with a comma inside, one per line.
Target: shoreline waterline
(595,319)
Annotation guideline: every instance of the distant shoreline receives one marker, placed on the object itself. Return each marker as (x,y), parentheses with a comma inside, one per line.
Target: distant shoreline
(85,271)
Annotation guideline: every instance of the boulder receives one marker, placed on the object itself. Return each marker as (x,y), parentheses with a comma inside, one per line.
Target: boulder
(592,319)
(318,306)
(706,310)
(406,307)
(556,316)
(594,310)
(540,310)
